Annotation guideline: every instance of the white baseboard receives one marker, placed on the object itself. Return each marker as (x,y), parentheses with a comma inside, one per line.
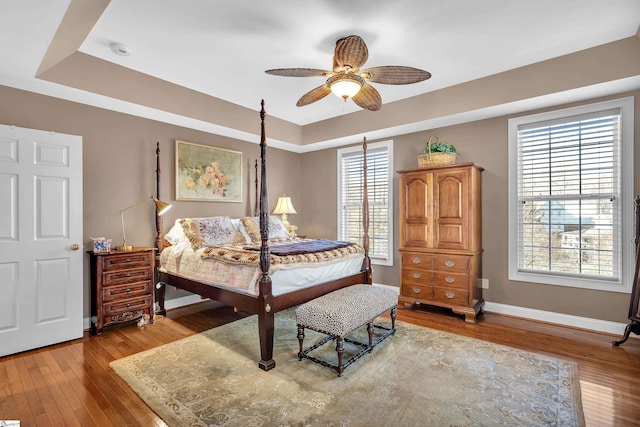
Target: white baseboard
(606,326)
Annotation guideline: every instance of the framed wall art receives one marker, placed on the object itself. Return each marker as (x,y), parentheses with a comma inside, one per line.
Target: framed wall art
(205,173)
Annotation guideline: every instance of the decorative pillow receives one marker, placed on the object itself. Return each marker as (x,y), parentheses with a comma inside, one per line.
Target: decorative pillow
(252,228)
(212,231)
(237,223)
(276,228)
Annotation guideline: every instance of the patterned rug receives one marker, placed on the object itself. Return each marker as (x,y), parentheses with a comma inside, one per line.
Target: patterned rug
(419,376)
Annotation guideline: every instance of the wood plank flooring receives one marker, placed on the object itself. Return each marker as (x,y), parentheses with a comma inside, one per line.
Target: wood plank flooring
(71,384)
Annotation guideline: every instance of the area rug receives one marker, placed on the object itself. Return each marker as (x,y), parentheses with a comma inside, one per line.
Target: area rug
(417,377)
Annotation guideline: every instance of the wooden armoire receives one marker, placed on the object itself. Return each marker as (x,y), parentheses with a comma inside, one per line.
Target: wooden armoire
(440,240)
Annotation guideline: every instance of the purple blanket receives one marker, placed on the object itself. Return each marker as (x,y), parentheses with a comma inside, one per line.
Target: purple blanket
(305,247)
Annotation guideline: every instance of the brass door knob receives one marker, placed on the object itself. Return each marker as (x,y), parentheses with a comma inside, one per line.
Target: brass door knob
(75,247)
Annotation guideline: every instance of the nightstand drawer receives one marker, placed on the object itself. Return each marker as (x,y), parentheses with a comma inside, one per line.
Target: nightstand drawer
(131,304)
(451,280)
(417,291)
(126,276)
(125,261)
(450,296)
(126,291)
(459,264)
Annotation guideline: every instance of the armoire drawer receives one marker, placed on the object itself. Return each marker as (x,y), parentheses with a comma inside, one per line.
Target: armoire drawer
(453,263)
(417,291)
(451,280)
(450,296)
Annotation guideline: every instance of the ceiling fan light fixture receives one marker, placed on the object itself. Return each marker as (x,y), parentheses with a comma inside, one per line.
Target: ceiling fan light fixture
(345,86)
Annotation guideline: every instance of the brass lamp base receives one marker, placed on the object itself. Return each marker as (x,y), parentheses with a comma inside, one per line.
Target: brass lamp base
(125,247)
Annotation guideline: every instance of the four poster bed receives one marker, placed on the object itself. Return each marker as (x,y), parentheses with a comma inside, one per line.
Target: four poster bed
(270,274)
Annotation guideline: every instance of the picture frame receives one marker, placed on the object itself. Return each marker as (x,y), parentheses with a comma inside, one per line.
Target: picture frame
(206,173)
(101,245)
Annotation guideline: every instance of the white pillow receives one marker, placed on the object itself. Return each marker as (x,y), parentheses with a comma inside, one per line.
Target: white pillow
(178,240)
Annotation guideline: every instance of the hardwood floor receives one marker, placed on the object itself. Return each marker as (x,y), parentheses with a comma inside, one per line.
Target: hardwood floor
(71,384)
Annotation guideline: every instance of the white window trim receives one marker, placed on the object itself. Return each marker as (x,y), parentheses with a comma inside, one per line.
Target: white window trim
(358,148)
(626,106)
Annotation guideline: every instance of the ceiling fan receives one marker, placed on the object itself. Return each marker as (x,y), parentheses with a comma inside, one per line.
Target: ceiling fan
(348,81)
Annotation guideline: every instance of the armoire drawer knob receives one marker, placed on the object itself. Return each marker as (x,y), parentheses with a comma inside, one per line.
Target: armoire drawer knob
(417,275)
(449,263)
(449,294)
(416,290)
(449,279)
(417,260)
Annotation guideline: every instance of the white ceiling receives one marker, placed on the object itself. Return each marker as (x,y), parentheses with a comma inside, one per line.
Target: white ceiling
(222,48)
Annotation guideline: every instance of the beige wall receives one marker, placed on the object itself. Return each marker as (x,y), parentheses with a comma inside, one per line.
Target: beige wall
(484,142)
(119,166)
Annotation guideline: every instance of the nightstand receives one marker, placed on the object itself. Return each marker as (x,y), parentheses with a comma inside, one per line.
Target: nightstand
(121,287)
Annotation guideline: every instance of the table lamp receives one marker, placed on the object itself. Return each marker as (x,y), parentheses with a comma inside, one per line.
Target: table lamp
(284,207)
(161,208)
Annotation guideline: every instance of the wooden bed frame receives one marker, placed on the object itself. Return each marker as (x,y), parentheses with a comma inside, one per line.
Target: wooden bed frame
(265,304)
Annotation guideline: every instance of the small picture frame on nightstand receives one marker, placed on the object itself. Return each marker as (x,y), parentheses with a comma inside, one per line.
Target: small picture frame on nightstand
(101,245)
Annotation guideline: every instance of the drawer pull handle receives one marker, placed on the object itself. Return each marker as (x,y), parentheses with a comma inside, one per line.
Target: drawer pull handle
(128,290)
(449,294)
(417,275)
(449,279)
(416,290)
(127,275)
(417,260)
(128,305)
(449,263)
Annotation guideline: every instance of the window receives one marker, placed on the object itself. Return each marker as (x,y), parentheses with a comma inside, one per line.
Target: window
(571,197)
(379,183)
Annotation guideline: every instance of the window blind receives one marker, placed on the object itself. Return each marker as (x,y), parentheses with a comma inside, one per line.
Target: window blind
(568,196)
(351,190)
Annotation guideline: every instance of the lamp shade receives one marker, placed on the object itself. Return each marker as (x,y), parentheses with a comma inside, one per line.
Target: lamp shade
(345,85)
(161,206)
(284,206)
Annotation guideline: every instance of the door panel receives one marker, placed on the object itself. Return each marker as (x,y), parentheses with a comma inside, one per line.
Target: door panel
(417,210)
(451,211)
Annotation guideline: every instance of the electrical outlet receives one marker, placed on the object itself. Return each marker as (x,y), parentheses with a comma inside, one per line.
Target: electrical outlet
(484,283)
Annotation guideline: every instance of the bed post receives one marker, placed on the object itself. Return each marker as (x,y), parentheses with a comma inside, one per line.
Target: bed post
(256,209)
(265,297)
(159,288)
(366,264)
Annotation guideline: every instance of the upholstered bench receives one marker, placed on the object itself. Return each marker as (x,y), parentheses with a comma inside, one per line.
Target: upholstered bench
(341,312)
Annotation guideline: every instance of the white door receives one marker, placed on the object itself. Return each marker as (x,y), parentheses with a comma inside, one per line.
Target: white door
(41,300)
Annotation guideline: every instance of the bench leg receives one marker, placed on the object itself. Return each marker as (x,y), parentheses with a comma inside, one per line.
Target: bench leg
(370,331)
(340,351)
(393,318)
(300,340)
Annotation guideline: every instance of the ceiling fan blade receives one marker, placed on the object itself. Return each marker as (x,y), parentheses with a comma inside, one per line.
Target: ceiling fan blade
(299,72)
(368,98)
(395,75)
(313,95)
(351,51)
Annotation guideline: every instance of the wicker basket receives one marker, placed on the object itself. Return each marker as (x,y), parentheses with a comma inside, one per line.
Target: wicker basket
(437,158)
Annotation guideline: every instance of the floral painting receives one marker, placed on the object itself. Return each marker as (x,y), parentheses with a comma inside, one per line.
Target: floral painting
(207,173)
